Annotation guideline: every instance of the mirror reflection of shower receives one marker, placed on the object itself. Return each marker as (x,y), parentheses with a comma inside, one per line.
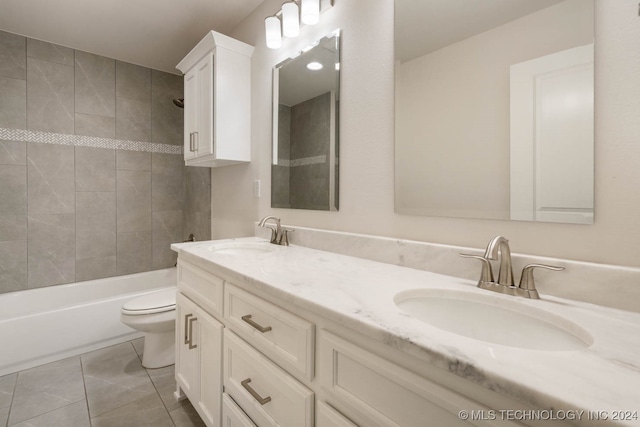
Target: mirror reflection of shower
(179,102)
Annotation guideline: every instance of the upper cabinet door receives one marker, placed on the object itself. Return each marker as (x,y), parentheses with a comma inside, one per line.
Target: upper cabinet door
(217,91)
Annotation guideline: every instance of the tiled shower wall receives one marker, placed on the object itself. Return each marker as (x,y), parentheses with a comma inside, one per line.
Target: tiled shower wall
(92,182)
(301,178)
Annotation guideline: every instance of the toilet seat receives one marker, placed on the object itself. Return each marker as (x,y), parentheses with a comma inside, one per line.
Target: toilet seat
(154,302)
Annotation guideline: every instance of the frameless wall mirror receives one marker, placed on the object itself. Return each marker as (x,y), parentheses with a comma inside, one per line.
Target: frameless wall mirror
(494,109)
(306,99)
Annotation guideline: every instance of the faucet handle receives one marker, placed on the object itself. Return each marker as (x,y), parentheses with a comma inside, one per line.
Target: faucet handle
(284,238)
(486,275)
(527,286)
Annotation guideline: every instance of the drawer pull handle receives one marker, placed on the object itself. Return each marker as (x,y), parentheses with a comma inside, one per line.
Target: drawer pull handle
(191,345)
(186,328)
(263,329)
(261,400)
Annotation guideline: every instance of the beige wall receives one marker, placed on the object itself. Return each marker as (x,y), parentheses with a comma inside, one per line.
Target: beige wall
(367,148)
(452,113)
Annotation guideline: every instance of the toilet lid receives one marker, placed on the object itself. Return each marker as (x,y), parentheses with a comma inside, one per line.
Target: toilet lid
(153,302)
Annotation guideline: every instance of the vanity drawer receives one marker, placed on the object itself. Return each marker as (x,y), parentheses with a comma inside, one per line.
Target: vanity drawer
(285,338)
(326,416)
(203,288)
(268,395)
(385,394)
(232,415)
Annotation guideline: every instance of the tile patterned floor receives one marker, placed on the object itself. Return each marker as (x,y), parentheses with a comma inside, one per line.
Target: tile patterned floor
(104,388)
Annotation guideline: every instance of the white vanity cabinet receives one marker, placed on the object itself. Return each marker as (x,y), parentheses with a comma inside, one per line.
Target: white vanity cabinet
(199,342)
(264,362)
(217,102)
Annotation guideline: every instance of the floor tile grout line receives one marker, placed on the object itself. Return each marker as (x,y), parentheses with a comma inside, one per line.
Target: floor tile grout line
(13,395)
(84,385)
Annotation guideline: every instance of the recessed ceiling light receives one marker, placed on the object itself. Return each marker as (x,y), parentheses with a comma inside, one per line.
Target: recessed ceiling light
(314,66)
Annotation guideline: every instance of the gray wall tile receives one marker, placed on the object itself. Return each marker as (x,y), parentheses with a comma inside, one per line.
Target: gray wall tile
(49,52)
(134,252)
(133,81)
(13,153)
(95,268)
(133,201)
(13,202)
(50,171)
(167,229)
(166,182)
(13,62)
(95,84)
(95,169)
(13,191)
(13,266)
(133,119)
(133,160)
(100,126)
(167,121)
(13,103)
(13,227)
(198,188)
(50,100)
(95,224)
(51,250)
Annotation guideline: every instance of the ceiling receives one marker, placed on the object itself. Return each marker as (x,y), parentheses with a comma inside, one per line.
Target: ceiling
(423,27)
(153,33)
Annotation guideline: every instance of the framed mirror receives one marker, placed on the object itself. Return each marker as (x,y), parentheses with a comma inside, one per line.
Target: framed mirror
(306,106)
(494,109)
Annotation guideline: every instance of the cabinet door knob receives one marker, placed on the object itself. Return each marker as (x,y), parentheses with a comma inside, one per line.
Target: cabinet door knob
(263,329)
(261,400)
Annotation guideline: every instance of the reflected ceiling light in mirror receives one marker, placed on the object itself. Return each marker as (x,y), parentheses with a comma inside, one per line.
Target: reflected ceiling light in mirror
(310,12)
(273,32)
(290,14)
(290,19)
(314,66)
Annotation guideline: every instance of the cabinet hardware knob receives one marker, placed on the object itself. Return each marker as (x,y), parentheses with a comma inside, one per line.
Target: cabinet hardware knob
(263,329)
(261,400)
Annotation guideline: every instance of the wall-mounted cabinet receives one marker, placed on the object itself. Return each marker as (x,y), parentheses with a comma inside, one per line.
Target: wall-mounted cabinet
(217,102)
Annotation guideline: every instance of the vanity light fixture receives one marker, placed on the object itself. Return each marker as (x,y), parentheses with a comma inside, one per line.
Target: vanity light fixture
(290,19)
(287,21)
(273,33)
(314,66)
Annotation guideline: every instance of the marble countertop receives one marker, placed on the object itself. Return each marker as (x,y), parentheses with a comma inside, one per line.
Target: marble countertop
(360,293)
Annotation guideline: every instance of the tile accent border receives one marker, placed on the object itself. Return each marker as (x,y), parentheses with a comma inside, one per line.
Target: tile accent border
(24,135)
(303,161)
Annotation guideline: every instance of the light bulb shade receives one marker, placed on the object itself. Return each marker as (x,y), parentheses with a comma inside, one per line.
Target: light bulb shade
(290,19)
(273,33)
(310,11)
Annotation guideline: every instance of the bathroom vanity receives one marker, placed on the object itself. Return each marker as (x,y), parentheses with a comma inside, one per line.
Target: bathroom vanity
(269,335)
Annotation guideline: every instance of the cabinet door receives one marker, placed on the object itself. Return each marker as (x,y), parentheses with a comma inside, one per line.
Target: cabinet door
(190,113)
(232,415)
(204,137)
(187,357)
(209,344)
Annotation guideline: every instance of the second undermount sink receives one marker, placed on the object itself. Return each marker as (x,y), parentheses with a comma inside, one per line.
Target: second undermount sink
(493,319)
(242,248)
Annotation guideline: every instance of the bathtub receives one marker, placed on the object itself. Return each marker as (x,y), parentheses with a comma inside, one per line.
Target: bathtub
(39,326)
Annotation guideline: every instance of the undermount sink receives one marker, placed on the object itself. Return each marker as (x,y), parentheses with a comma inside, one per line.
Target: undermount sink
(242,248)
(493,319)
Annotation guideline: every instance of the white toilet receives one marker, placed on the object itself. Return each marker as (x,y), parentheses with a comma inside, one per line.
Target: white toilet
(155,315)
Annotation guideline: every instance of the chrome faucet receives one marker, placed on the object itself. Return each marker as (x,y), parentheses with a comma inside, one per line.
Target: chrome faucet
(279,234)
(498,249)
